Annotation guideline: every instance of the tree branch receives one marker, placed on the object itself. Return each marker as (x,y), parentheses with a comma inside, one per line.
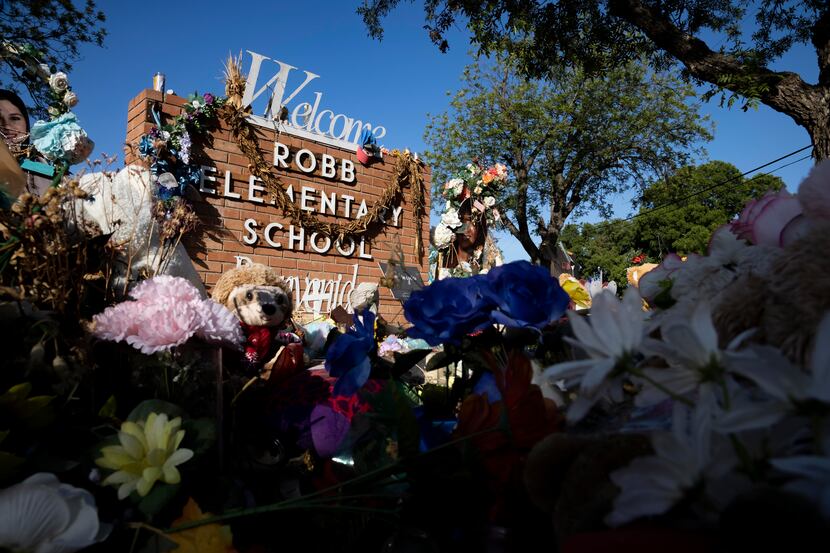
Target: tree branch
(785,91)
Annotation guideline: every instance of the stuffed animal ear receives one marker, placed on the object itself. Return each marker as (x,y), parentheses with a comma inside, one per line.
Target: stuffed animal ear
(256,273)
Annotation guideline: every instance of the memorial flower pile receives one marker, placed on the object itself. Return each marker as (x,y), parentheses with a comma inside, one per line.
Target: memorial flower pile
(738,359)
(128,421)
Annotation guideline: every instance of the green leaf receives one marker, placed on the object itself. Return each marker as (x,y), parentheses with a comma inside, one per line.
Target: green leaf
(143,410)
(157,499)
(200,434)
(9,463)
(108,410)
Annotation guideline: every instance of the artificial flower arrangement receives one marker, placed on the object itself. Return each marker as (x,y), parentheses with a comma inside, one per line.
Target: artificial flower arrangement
(60,140)
(732,366)
(476,185)
(168,147)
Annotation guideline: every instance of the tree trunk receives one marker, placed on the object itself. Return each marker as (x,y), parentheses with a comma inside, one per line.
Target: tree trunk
(550,254)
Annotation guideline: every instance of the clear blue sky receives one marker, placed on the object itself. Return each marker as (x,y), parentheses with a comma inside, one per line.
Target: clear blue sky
(396,82)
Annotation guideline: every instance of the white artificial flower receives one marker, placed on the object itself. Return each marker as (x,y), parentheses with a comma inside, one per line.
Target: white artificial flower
(813,480)
(43,515)
(725,247)
(58,81)
(70,99)
(53,111)
(650,284)
(451,219)
(43,71)
(196,104)
(489,201)
(594,287)
(477,190)
(456,186)
(690,346)
(683,459)
(473,169)
(788,387)
(443,236)
(616,332)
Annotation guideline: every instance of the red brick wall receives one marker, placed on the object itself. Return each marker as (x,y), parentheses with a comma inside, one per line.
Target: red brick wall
(220,239)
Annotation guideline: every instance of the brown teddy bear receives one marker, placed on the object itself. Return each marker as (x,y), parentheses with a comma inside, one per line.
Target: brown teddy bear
(262,301)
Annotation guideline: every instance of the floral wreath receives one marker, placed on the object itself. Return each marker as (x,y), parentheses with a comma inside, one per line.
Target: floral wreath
(167,148)
(473,184)
(60,140)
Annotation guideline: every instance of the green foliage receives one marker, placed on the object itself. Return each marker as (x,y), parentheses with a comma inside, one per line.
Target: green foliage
(54,29)
(686,228)
(598,36)
(683,226)
(570,143)
(608,246)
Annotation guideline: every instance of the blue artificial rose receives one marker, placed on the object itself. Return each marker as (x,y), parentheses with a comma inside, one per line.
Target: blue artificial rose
(348,357)
(525,295)
(448,309)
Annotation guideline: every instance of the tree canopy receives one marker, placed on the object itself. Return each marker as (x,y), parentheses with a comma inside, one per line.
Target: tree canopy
(54,29)
(669,220)
(570,143)
(599,34)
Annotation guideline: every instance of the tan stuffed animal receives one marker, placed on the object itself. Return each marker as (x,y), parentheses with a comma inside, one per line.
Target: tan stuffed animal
(262,301)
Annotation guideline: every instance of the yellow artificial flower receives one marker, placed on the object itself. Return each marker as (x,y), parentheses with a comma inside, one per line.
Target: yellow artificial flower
(576,291)
(149,451)
(210,538)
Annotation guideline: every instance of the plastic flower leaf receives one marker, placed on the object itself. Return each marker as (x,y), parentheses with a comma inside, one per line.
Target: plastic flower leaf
(684,458)
(208,538)
(616,332)
(43,515)
(148,451)
(348,357)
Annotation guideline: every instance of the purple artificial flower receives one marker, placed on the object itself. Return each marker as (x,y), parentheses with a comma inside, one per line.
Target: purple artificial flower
(209,98)
(525,295)
(449,309)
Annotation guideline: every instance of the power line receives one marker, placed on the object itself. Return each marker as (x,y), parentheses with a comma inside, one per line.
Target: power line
(727,181)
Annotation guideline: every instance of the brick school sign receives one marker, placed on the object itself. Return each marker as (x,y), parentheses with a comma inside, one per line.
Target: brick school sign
(324,179)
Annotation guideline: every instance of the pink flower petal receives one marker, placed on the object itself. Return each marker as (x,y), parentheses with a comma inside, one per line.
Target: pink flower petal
(770,222)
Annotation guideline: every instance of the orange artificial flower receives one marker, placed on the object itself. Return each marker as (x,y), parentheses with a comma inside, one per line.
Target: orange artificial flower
(210,538)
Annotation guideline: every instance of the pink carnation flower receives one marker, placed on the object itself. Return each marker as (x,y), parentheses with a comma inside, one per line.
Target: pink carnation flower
(165,325)
(117,322)
(219,325)
(165,288)
(167,312)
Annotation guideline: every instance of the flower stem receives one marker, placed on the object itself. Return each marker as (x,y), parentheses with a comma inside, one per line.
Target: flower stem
(303,501)
(661,387)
